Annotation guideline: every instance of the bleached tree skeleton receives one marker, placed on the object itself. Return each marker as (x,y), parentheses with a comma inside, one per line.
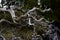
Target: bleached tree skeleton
(10,10)
(29,15)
